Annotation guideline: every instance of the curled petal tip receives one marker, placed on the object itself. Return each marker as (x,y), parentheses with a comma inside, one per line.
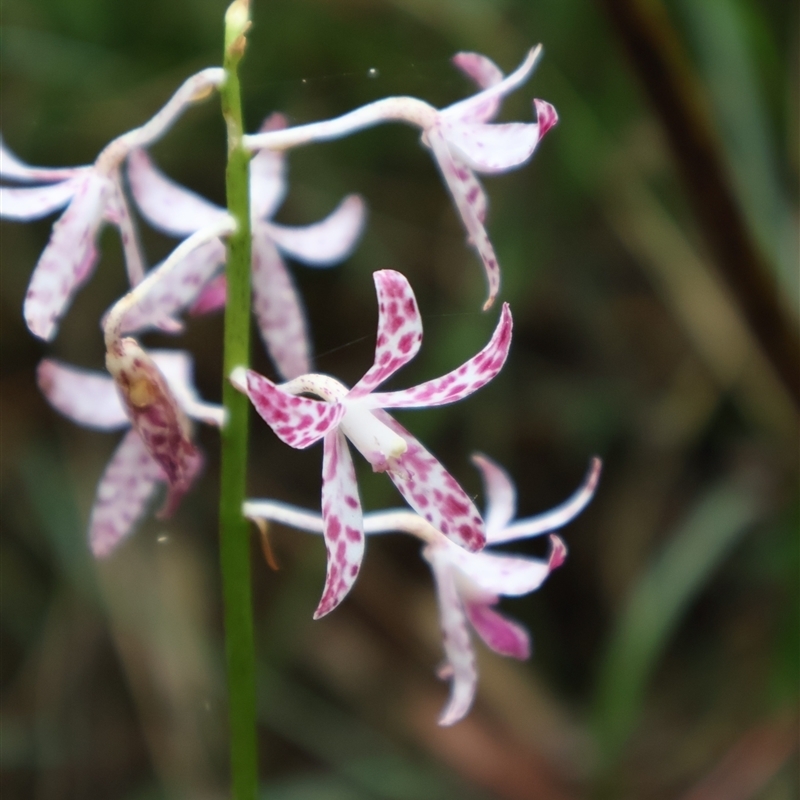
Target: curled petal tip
(558,553)
(546,116)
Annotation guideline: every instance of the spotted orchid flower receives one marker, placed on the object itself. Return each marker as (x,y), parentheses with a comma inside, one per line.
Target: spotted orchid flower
(179,212)
(154,407)
(92,195)
(460,136)
(133,475)
(469,585)
(358,414)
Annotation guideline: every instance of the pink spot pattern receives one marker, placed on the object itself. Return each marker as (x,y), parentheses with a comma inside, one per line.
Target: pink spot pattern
(461,382)
(433,492)
(297,421)
(399,331)
(123,494)
(343,522)
(132,476)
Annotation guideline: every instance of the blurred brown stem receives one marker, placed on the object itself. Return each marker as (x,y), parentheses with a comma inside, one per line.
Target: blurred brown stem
(668,78)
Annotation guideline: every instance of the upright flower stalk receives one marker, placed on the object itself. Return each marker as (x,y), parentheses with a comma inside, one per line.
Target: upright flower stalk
(234,539)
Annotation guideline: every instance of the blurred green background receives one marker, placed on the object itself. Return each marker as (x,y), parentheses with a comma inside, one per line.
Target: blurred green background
(666,649)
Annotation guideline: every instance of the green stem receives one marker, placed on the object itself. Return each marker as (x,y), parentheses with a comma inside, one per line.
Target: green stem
(234,538)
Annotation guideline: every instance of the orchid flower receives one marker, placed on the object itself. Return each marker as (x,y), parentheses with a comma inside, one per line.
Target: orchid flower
(469,585)
(133,474)
(459,136)
(93,194)
(358,414)
(178,211)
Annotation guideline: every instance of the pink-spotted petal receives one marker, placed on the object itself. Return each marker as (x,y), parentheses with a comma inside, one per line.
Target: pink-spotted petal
(461,184)
(177,290)
(485,73)
(492,148)
(68,259)
(14,169)
(35,202)
(177,367)
(124,491)
(557,517)
(501,574)
(212,297)
(86,397)
(278,309)
(297,421)
(501,496)
(504,636)
(460,668)
(459,383)
(432,491)
(399,330)
(327,242)
(268,175)
(344,525)
(165,204)
(155,415)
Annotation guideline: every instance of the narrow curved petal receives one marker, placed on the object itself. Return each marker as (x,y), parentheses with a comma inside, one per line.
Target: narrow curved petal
(86,397)
(131,248)
(165,204)
(399,330)
(176,290)
(471,189)
(69,257)
(459,383)
(461,666)
(35,202)
(501,574)
(324,243)
(501,634)
(212,297)
(177,367)
(12,168)
(268,174)
(475,106)
(124,491)
(485,73)
(278,309)
(492,148)
(557,517)
(433,492)
(461,185)
(344,525)
(501,495)
(297,421)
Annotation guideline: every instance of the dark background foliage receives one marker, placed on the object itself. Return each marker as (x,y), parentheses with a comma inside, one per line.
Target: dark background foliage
(666,648)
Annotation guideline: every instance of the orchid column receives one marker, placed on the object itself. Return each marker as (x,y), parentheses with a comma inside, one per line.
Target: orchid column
(234,539)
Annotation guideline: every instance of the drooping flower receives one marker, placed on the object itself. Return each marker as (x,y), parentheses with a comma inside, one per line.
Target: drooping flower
(469,585)
(358,414)
(460,136)
(93,195)
(152,407)
(134,474)
(178,211)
